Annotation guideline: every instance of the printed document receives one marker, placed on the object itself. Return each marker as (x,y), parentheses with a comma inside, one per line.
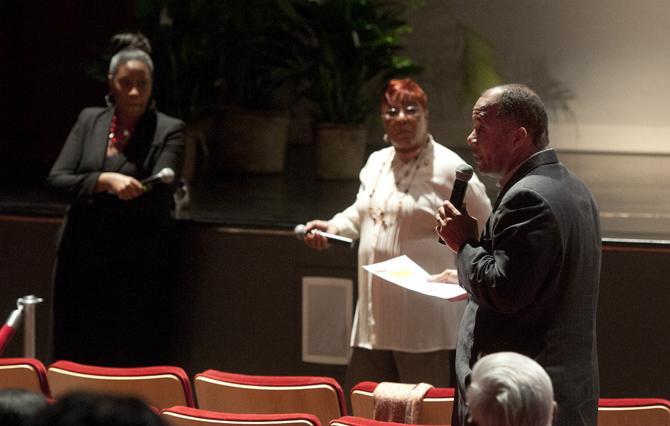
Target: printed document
(404,272)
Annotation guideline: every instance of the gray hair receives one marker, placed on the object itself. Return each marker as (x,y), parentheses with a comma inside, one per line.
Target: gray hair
(510,389)
(130,54)
(520,103)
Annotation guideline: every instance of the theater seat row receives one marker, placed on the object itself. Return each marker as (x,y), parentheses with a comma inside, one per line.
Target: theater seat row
(166,386)
(220,394)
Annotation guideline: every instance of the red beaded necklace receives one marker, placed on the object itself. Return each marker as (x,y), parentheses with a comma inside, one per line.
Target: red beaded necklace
(115,143)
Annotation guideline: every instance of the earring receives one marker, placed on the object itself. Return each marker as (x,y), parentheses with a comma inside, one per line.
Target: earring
(109,100)
(386,138)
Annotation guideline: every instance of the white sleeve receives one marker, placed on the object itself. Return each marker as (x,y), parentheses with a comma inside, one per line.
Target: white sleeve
(348,222)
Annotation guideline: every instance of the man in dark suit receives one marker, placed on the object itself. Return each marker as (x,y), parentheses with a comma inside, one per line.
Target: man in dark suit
(532,277)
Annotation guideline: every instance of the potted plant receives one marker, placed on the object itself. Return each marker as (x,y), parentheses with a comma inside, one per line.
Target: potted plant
(354,46)
(226,65)
(258,77)
(185,36)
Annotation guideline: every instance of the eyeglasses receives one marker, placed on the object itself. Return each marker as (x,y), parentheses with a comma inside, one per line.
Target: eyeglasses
(410,111)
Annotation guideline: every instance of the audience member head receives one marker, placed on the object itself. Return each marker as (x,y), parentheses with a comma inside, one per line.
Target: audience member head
(18,406)
(510,389)
(91,409)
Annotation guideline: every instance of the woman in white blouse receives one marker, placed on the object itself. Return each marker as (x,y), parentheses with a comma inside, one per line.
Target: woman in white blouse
(400,335)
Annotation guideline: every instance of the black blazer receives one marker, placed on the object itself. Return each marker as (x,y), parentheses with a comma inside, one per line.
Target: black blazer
(533,282)
(80,162)
(156,143)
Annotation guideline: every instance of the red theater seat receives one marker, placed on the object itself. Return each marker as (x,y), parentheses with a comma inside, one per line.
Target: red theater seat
(186,416)
(633,412)
(435,408)
(160,387)
(362,421)
(23,373)
(239,393)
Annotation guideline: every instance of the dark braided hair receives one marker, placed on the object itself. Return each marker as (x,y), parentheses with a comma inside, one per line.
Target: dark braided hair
(128,47)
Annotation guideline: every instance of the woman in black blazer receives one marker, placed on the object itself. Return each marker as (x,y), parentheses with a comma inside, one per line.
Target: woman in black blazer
(111,282)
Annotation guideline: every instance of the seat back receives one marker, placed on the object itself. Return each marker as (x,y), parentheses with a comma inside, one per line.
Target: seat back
(362,421)
(435,408)
(187,416)
(159,387)
(239,393)
(24,373)
(633,412)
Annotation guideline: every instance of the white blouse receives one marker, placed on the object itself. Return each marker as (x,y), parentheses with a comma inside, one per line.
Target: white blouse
(394,214)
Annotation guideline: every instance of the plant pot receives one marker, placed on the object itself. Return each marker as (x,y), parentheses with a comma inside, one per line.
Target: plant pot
(245,141)
(340,150)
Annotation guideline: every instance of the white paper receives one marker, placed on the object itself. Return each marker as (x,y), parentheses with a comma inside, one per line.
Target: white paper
(404,272)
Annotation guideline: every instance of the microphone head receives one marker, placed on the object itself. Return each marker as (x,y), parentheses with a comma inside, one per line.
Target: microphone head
(299,231)
(166,175)
(464,172)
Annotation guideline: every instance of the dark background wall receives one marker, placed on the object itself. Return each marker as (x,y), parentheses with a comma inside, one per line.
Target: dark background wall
(44,46)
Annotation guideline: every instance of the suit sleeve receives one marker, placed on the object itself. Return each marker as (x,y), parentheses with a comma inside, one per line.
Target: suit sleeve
(65,175)
(525,244)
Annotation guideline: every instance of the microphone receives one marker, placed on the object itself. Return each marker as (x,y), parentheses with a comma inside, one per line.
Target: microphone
(332,238)
(464,173)
(166,175)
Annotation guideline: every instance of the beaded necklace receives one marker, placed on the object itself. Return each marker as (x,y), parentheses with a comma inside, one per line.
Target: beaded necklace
(411,169)
(116,145)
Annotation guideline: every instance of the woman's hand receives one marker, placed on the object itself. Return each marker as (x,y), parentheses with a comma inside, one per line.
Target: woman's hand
(316,241)
(123,186)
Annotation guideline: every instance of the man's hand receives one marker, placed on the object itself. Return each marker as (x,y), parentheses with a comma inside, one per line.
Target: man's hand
(446,276)
(455,227)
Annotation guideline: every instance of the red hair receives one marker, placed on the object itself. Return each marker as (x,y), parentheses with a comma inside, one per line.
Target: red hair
(402,91)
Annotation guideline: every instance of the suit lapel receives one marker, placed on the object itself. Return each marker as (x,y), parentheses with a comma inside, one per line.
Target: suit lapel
(151,128)
(100,133)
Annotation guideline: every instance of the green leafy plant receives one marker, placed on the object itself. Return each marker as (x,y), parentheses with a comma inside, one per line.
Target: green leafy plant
(261,54)
(212,52)
(351,47)
(185,38)
(477,63)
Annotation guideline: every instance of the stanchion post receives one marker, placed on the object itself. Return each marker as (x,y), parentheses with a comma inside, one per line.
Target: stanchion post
(28,303)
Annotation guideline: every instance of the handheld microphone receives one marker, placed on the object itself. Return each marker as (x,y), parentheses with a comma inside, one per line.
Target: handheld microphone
(166,175)
(332,238)
(464,173)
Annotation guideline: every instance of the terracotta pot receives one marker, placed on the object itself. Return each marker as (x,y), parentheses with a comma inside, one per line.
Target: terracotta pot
(340,150)
(245,141)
